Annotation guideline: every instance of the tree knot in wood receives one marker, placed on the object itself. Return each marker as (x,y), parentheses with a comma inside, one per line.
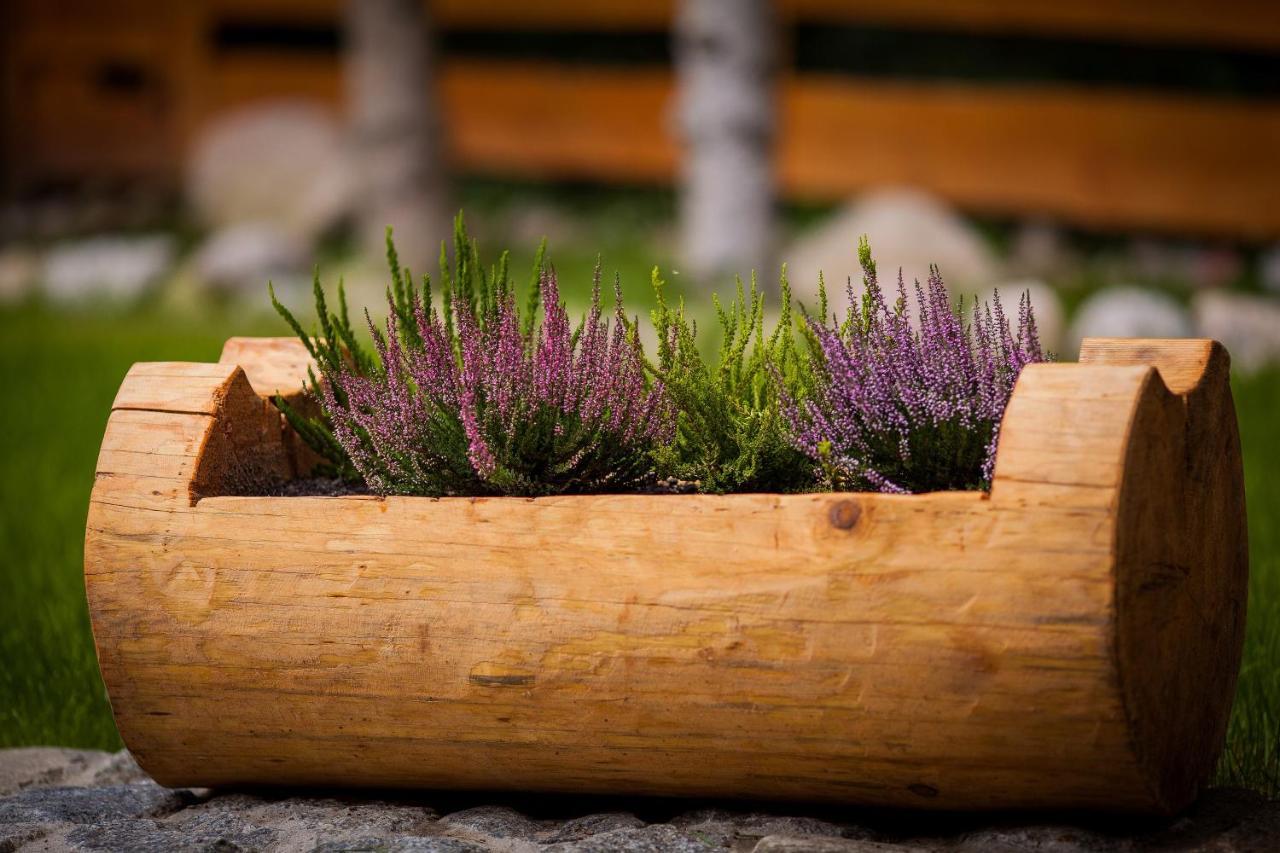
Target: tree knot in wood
(844,515)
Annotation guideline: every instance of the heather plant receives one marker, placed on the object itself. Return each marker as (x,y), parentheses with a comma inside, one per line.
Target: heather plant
(900,409)
(477,398)
(336,345)
(731,434)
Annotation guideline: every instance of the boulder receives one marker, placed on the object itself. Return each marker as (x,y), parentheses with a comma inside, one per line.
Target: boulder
(89,805)
(300,823)
(282,162)
(1129,312)
(1247,324)
(907,229)
(654,838)
(109,267)
(496,822)
(39,812)
(587,826)
(40,767)
(242,258)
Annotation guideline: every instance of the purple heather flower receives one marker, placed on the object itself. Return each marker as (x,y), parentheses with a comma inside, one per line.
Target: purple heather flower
(489,409)
(896,408)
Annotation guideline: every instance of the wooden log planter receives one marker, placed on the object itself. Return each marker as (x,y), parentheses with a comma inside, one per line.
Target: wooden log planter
(1069,640)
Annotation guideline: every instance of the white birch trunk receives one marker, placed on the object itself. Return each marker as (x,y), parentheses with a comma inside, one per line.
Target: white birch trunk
(725,61)
(397,140)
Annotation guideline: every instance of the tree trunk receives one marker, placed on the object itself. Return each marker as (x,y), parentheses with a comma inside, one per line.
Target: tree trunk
(725,61)
(396,128)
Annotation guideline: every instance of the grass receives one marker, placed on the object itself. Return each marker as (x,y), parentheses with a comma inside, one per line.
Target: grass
(60,373)
(1252,757)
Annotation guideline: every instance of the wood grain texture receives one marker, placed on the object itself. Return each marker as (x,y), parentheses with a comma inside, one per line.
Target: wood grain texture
(1181,597)
(1027,648)
(279,366)
(272,365)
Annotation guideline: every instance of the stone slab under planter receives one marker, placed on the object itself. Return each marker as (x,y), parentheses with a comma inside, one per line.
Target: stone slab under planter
(119,808)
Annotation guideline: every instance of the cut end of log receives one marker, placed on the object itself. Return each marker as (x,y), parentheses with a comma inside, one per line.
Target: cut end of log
(1183,363)
(272,365)
(1182,560)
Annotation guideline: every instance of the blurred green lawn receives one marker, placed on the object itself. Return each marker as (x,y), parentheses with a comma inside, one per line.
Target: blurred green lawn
(60,373)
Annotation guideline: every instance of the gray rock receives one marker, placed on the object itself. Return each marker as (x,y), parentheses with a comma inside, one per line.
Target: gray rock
(908,229)
(153,836)
(242,258)
(117,268)
(497,822)
(302,823)
(282,162)
(1130,312)
(142,816)
(401,844)
(1248,325)
(91,805)
(737,829)
(592,824)
(810,844)
(120,768)
(42,766)
(655,838)
(38,812)
(764,825)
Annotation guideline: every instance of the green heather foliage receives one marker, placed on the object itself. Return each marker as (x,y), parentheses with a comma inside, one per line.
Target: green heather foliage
(731,433)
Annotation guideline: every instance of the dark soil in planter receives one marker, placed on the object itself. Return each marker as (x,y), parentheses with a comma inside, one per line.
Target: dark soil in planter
(333,487)
(312,487)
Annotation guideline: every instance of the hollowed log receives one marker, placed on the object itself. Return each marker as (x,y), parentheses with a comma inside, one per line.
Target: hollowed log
(1069,640)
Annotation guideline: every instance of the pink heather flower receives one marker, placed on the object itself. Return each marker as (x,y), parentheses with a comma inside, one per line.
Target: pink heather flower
(485,408)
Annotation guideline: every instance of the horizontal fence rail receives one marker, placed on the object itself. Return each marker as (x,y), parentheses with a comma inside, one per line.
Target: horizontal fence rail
(92,93)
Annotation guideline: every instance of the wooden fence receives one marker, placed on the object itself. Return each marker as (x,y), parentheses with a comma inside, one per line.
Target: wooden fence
(117,91)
